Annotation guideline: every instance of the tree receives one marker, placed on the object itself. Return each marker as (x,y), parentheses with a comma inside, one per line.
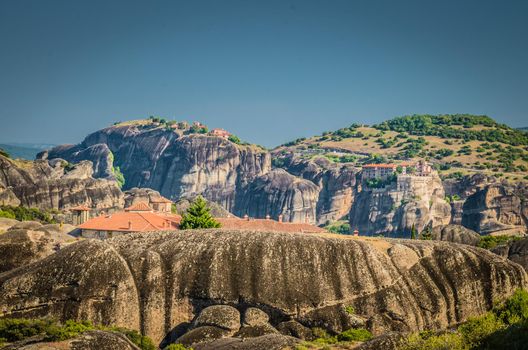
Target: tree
(234,139)
(413,232)
(198,216)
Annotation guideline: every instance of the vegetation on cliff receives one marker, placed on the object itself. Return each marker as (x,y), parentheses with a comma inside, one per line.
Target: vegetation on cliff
(505,327)
(25,214)
(17,329)
(453,143)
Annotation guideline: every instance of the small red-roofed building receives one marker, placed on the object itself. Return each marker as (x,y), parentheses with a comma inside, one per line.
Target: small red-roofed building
(161,204)
(136,218)
(220,133)
(81,214)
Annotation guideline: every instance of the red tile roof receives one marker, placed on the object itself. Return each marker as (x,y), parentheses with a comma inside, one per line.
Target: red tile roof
(132,222)
(141,206)
(380,166)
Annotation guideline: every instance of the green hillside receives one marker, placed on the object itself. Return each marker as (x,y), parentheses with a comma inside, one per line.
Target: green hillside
(458,144)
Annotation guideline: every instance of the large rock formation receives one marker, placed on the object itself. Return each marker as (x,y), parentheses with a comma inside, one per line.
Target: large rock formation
(27,242)
(174,164)
(336,184)
(392,211)
(516,251)
(276,193)
(55,184)
(497,208)
(456,234)
(159,282)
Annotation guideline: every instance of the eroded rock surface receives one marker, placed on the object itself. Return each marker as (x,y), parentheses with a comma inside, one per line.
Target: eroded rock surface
(394,210)
(516,251)
(456,234)
(158,282)
(50,185)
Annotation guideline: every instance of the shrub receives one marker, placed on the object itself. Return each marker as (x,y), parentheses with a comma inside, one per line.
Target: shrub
(477,328)
(15,329)
(505,327)
(490,242)
(339,228)
(6,214)
(359,334)
(120,178)
(143,342)
(350,310)
(234,139)
(69,330)
(25,214)
(198,216)
(4,153)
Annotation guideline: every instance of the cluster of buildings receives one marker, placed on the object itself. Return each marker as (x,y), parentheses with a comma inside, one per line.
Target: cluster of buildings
(382,171)
(142,217)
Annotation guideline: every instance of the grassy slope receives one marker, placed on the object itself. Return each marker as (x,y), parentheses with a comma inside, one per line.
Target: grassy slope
(369,144)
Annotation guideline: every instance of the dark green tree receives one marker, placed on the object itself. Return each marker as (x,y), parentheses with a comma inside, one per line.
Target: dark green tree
(198,216)
(413,232)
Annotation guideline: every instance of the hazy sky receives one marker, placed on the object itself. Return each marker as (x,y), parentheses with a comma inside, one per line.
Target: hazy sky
(270,71)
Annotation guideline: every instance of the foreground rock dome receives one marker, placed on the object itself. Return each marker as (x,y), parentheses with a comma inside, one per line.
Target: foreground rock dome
(159,282)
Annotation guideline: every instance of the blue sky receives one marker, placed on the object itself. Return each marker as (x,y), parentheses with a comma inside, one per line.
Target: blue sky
(269,71)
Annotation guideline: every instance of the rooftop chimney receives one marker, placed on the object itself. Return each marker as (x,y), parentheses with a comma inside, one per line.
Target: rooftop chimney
(356,232)
(280,218)
(129,224)
(267,217)
(246,217)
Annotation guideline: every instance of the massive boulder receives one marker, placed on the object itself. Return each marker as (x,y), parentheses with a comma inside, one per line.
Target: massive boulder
(54,184)
(159,282)
(174,164)
(516,251)
(28,242)
(456,234)
(393,210)
(278,192)
(498,208)
(336,184)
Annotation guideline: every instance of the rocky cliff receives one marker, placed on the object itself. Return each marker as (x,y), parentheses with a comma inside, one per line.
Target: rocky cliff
(158,283)
(393,210)
(279,193)
(176,165)
(336,182)
(55,184)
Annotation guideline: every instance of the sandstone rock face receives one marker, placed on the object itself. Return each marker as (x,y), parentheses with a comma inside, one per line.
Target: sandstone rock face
(158,282)
(497,208)
(176,165)
(336,184)
(279,192)
(516,251)
(47,185)
(456,234)
(393,210)
(22,247)
(26,242)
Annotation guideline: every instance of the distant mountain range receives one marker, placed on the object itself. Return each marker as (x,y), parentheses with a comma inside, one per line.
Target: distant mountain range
(24,150)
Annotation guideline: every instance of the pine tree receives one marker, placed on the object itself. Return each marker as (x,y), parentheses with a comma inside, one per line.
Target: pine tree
(198,216)
(413,232)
